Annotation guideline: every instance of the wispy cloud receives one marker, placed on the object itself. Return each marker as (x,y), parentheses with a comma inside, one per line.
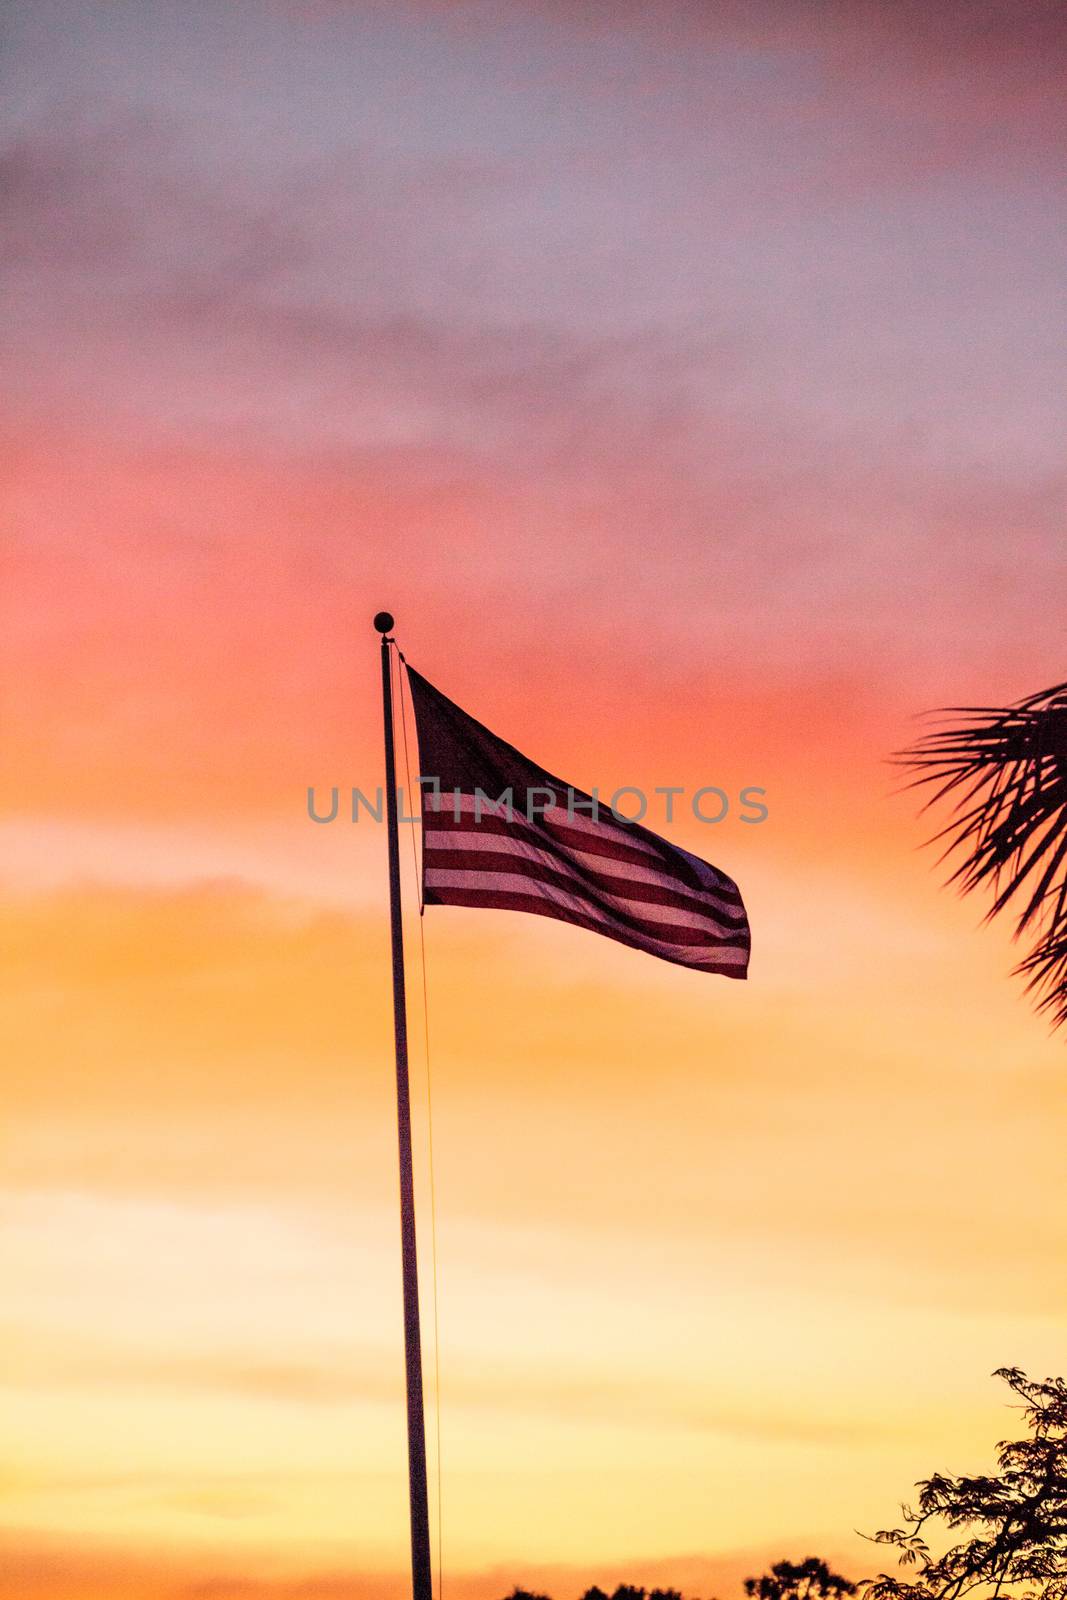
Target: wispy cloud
(33,1362)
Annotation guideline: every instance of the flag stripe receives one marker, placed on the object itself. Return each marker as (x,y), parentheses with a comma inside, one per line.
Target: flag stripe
(587,843)
(731,961)
(529,878)
(464,851)
(577,815)
(579,833)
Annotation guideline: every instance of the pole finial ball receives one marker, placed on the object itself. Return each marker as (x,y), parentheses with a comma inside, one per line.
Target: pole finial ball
(383,622)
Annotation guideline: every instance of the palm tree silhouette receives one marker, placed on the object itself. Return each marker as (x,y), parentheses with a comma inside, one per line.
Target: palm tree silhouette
(1005,770)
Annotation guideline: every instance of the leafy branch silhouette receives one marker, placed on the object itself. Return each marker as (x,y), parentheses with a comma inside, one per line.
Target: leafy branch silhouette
(1005,771)
(1017,1517)
(1013,1524)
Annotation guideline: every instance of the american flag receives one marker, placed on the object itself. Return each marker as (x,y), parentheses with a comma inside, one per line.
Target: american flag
(500,832)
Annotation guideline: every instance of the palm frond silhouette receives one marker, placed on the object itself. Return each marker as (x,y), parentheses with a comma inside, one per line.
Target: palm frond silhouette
(1005,773)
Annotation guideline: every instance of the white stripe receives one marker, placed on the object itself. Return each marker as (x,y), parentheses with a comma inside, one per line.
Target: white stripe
(471,839)
(615,874)
(726,955)
(515,883)
(605,826)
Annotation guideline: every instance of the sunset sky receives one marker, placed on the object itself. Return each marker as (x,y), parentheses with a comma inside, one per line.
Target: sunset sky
(689,380)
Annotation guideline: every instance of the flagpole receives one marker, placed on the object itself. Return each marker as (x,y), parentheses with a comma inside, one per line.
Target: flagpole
(421,1575)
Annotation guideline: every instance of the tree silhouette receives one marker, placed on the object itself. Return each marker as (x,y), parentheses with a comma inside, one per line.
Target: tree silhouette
(1006,773)
(629,1591)
(810,1579)
(525,1594)
(1016,1519)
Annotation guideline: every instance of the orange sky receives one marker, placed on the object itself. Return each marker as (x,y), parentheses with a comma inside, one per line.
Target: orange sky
(689,392)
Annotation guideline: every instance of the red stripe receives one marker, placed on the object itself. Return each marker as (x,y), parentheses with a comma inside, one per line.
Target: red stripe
(553,887)
(593,843)
(596,844)
(505,900)
(580,878)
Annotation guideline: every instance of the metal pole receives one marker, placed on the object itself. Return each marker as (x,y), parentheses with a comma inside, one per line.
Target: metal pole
(421,1574)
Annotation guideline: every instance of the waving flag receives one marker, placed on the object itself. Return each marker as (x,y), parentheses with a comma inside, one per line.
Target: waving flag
(502,833)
